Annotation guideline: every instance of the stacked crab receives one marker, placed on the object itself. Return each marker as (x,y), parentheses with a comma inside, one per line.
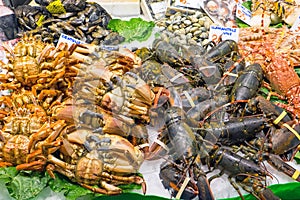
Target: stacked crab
(75,110)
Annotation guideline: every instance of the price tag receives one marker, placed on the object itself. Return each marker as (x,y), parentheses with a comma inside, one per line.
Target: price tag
(218,33)
(296,25)
(243,13)
(69,40)
(188,3)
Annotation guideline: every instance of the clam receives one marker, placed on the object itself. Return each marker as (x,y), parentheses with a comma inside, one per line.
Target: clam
(187,26)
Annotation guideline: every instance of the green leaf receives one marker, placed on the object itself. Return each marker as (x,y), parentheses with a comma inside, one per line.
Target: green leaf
(134,29)
(7,174)
(78,191)
(297,70)
(287,191)
(297,157)
(129,187)
(247,4)
(264,92)
(71,190)
(27,185)
(279,25)
(130,196)
(48,193)
(241,24)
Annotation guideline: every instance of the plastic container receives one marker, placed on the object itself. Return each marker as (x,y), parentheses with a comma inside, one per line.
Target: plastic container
(121,8)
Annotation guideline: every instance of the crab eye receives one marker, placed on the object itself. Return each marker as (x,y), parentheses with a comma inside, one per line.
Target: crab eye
(116,80)
(109,85)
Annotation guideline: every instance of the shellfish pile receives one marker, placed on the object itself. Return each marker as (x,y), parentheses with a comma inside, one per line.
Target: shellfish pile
(86,21)
(194,26)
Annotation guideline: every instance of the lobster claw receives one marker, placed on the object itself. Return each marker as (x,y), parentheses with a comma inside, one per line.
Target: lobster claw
(279,164)
(267,194)
(175,180)
(203,186)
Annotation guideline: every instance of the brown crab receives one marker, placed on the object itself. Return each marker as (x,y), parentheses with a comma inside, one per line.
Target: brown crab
(33,63)
(27,152)
(103,160)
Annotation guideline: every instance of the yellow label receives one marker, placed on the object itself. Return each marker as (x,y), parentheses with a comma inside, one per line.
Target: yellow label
(183,186)
(56,7)
(280,117)
(189,98)
(292,130)
(296,175)
(40,20)
(231,74)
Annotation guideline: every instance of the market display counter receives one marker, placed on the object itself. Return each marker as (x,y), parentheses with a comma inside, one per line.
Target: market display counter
(194,79)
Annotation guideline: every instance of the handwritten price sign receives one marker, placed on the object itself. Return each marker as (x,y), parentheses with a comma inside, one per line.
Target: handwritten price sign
(218,33)
(69,40)
(243,13)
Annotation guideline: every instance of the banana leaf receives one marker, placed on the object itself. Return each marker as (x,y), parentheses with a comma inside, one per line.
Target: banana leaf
(287,191)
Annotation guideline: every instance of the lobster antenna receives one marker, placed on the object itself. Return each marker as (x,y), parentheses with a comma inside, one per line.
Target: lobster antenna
(219,108)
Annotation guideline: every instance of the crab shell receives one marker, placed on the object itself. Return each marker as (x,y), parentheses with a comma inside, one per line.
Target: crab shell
(117,153)
(134,99)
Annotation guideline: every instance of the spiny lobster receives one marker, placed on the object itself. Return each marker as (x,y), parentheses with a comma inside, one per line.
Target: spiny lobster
(283,79)
(278,61)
